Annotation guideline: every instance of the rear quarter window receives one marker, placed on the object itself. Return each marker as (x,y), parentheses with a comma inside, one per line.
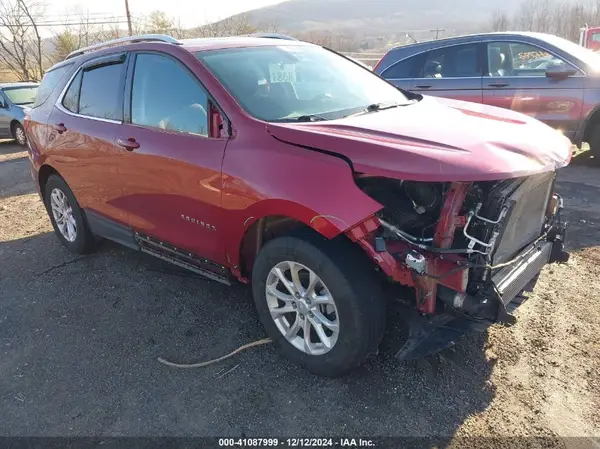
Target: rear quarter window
(49,83)
(400,70)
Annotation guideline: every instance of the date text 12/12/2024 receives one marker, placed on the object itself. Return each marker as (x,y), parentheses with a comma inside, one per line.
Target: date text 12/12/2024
(296,442)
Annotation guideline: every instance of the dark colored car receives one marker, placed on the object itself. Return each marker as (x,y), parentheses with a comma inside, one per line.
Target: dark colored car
(15,99)
(546,77)
(283,164)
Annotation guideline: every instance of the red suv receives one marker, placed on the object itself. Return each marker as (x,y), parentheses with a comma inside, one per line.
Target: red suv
(286,165)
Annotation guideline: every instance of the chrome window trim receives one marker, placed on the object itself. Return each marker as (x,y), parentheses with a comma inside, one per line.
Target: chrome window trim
(434,79)
(61,108)
(485,40)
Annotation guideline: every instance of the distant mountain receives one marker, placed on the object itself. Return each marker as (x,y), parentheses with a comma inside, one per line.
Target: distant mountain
(384,16)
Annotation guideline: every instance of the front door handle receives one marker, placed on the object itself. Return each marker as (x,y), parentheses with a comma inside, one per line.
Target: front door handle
(129,144)
(423,86)
(498,85)
(60,128)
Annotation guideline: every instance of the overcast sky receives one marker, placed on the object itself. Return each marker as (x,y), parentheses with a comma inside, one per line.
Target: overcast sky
(190,12)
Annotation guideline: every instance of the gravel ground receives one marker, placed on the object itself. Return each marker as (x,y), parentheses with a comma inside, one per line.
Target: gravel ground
(80,337)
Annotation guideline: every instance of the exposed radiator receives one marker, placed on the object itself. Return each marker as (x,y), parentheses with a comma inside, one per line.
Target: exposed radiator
(526,216)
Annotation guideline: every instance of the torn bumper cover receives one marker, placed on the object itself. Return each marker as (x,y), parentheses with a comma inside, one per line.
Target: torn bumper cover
(430,334)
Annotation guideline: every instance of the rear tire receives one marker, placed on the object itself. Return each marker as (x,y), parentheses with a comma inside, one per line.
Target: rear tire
(345,276)
(67,218)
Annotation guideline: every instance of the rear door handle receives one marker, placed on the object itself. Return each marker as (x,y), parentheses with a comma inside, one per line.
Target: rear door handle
(498,85)
(423,86)
(129,144)
(60,128)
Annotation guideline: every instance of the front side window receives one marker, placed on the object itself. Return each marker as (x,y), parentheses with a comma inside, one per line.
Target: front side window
(452,62)
(21,96)
(101,93)
(292,82)
(517,59)
(165,95)
(49,82)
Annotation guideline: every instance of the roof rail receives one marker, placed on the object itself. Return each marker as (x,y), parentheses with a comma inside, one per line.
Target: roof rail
(125,40)
(272,36)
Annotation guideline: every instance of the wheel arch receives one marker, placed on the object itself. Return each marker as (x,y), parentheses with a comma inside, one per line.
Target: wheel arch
(14,123)
(279,218)
(592,120)
(44,173)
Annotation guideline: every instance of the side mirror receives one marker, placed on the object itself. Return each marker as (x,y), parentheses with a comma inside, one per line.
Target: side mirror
(560,72)
(3,104)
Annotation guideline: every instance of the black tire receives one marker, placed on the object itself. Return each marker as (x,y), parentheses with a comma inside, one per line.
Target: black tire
(84,241)
(19,134)
(594,141)
(350,279)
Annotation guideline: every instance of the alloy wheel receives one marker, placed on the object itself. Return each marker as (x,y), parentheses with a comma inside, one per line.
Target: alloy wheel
(302,308)
(63,215)
(20,135)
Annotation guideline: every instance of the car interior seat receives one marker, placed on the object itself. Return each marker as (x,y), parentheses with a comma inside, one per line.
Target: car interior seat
(497,61)
(433,69)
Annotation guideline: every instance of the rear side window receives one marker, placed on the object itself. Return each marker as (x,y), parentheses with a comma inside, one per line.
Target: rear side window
(165,95)
(101,92)
(452,62)
(49,82)
(400,70)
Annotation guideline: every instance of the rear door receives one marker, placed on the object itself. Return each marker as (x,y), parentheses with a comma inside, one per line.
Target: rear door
(516,79)
(82,130)
(451,72)
(170,164)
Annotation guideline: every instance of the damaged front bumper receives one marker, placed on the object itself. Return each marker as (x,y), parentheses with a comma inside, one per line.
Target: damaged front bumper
(429,334)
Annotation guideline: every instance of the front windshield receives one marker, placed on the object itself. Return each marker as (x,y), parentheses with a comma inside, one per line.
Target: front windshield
(292,82)
(585,55)
(21,95)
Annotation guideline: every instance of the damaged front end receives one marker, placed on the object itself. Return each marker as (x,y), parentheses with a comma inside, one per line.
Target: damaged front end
(469,250)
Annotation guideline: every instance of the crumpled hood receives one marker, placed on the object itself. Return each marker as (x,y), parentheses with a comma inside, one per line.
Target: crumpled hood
(436,140)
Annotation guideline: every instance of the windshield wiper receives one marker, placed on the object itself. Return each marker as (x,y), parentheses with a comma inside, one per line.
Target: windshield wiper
(309,118)
(376,107)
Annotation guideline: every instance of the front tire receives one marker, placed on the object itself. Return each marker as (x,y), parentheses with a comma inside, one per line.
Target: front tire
(594,141)
(67,218)
(319,301)
(19,134)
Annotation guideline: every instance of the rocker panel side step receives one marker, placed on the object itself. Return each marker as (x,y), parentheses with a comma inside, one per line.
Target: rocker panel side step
(184,259)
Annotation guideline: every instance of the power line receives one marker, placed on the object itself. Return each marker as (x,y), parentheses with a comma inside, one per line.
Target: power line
(437,32)
(64,24)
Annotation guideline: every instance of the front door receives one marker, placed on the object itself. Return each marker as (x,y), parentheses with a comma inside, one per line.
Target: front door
(451,72)
(81,135)
(171,168)
(5,117)
(516,78)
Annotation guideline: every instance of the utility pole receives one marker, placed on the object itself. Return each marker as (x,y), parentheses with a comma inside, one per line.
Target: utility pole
(128,17)
(437,32)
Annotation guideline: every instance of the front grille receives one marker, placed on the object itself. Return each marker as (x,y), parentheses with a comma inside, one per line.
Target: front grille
(527,212)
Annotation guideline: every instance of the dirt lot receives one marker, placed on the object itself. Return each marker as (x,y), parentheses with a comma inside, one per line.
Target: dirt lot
(79,339)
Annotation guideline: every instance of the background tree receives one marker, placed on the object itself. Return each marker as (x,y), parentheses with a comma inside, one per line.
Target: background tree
(20,41)
(500,21)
